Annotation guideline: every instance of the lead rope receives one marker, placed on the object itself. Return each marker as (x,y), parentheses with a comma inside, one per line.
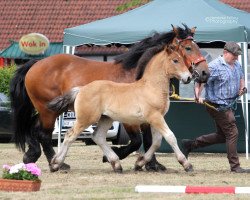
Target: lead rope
(232,106)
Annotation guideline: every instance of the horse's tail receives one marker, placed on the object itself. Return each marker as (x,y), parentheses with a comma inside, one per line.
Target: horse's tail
(62,103)
(24,114)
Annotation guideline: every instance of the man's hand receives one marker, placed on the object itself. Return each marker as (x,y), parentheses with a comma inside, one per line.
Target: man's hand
(242,91)
(199,100)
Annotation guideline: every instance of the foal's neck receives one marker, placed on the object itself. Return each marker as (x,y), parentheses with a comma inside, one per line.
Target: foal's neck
(155,75)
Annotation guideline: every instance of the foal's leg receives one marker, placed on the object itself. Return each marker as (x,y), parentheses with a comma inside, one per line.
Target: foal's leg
(45,137)
(153,164)
(156,143)
(69,138)
(158,123)
(99,137)
(134,145)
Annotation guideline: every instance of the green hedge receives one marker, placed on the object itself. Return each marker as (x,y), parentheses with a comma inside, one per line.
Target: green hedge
(6,74)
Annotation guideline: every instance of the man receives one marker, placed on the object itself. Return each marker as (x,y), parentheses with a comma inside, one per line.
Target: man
(225,84)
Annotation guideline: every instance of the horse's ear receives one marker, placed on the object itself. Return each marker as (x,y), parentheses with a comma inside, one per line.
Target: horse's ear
(193,30)
(175,30)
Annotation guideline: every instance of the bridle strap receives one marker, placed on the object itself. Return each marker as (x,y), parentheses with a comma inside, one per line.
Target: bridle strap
(198,60)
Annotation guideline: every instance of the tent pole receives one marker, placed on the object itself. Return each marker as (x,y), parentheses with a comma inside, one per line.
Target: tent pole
(244,98)
(68,50)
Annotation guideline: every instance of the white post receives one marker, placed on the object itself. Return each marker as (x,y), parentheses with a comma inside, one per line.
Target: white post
(67,50)
(244,98)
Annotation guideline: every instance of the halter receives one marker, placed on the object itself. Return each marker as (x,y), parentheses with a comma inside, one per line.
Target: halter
(192,64)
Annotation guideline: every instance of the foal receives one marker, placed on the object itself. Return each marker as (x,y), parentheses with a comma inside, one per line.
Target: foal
(144,101)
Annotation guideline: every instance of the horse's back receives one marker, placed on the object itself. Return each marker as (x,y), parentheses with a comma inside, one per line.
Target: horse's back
(54,75)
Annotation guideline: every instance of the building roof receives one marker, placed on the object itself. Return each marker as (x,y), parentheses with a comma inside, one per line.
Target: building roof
(13,51)
(239,4)
(20,17)
(49,17)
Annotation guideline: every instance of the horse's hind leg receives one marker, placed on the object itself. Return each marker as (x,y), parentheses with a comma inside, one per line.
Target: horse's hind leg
(34,149)
(135,143)
(153,164)
(99,137)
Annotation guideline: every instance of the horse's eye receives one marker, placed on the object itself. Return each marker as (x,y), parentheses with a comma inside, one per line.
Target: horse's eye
(175,61)
(188,48)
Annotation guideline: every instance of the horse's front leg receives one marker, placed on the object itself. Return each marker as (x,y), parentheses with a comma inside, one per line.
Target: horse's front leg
(69,138)
(99,137)
(160,125)
(156,143)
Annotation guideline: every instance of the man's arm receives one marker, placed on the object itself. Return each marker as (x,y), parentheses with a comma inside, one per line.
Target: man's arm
(198,87)
(242,87)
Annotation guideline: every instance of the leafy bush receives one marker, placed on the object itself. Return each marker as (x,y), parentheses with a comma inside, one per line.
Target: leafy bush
(6,75)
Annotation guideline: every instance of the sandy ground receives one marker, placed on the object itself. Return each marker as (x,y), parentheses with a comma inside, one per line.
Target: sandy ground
(89,178)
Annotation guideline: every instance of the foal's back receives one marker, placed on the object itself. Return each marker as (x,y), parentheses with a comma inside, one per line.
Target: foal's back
(120,101)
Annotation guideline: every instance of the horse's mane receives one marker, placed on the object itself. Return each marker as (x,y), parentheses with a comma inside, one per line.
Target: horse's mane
(129,59)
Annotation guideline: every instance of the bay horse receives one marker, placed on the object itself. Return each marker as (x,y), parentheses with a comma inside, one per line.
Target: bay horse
(143,101)
(38,82)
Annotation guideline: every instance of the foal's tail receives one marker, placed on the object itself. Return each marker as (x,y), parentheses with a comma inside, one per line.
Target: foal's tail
(24,115)
(62,103)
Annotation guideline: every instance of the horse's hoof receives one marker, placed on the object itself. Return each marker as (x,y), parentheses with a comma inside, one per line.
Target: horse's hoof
(64,167)
(104,159)
(155,167)
(138,168)
(189,168)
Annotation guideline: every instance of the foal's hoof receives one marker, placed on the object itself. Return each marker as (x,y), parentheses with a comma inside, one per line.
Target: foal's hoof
(189,168)
(116,167)
(118,170)
(155,167)
(54,166)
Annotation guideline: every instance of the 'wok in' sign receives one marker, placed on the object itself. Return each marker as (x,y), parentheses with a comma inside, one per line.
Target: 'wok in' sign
(34,43)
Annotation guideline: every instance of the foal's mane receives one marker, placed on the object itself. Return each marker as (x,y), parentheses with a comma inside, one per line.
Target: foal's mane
(129,59)
(145,58)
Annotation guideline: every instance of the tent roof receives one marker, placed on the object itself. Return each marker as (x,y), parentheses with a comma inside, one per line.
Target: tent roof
(13,51)
(214,20)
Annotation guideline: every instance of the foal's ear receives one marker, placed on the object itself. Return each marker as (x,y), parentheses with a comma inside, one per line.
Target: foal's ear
(169,49)
(175,30)
(193,30)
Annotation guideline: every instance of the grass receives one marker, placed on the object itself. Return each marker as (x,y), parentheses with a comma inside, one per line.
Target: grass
(89,178)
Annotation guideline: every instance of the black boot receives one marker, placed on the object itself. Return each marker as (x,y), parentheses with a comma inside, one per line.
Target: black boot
(187,146)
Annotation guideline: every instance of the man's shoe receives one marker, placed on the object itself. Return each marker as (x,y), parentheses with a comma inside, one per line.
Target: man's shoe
(240,170)
(186,146)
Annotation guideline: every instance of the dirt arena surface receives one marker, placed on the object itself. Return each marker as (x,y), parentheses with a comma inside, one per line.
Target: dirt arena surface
(89,178)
